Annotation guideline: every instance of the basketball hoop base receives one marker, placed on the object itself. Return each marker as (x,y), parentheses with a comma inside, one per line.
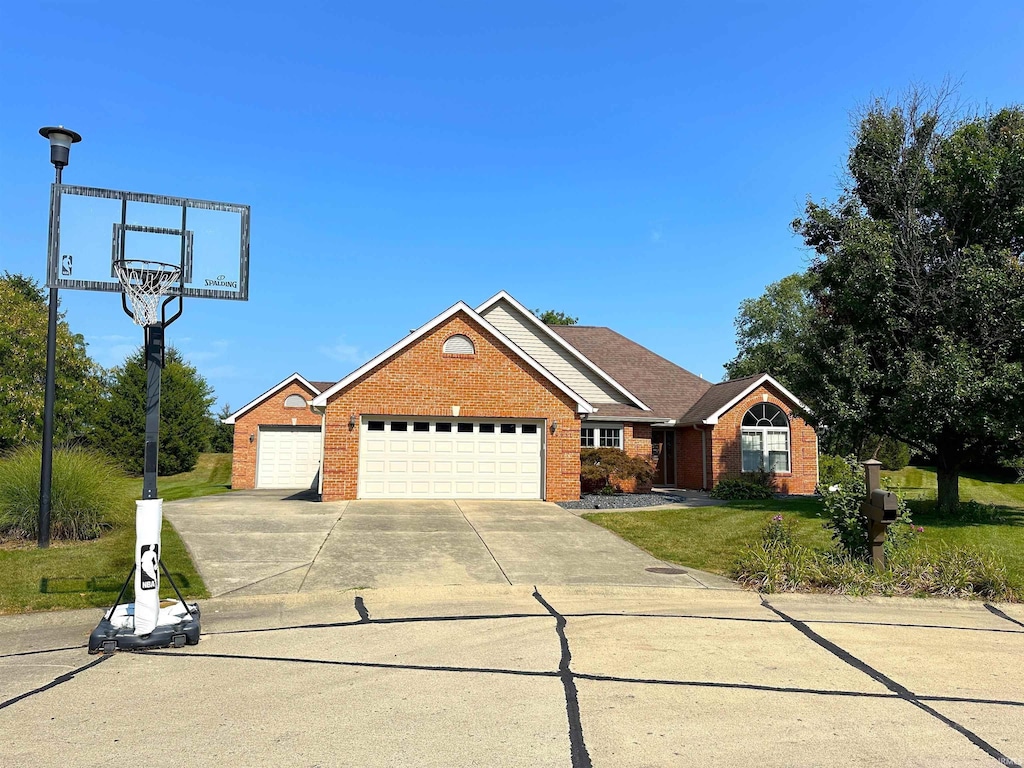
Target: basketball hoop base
(117,633)
(177,623)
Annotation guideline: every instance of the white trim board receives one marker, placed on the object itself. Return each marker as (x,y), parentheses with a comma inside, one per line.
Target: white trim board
(562,343)
(277,387)
(582,406)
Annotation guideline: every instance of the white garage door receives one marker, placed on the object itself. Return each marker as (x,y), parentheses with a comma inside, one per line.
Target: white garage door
(289,457)
(417,458)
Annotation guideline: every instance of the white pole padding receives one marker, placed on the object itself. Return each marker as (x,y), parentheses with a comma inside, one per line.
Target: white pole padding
(149,516)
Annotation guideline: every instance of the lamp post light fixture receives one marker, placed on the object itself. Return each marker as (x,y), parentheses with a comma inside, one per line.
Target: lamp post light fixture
(60,139)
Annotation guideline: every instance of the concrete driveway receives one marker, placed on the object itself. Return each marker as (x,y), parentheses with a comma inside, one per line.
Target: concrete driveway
(270,542)
(498,675)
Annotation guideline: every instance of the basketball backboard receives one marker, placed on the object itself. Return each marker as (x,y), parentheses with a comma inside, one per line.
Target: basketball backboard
(208,240)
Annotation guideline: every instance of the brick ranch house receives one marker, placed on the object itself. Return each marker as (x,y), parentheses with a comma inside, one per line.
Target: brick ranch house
(492,403)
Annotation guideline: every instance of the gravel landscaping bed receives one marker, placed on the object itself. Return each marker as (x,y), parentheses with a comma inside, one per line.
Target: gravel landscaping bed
(622,500)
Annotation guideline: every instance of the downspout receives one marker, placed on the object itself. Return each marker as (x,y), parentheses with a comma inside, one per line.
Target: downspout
(323,437)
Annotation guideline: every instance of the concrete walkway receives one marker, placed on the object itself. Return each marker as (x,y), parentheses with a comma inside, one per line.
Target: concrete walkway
(499,675)
(264,542)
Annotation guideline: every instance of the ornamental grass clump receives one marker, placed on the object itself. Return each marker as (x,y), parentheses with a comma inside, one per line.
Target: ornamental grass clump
(776,563)
(84,490)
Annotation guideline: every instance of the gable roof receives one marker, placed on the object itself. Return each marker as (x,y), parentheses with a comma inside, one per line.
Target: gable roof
(721,397)
(582,406)
(549,332)
(316,387)
(668,389)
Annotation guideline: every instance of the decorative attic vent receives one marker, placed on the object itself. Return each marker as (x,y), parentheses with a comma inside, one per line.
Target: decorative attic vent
(295,401)
(458,345)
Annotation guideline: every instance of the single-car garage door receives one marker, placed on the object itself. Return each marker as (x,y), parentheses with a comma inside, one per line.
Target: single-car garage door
(418,458)
(289,457)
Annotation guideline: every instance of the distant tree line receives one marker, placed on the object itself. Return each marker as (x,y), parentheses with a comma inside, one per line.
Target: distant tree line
(101,408)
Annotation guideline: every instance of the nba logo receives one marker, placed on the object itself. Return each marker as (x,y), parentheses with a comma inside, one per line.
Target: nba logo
(65,265)
(148,563)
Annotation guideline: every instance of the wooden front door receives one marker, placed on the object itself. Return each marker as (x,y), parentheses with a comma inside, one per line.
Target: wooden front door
(663,447)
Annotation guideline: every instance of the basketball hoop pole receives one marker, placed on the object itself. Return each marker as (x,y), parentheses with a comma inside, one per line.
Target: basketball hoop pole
(154,367)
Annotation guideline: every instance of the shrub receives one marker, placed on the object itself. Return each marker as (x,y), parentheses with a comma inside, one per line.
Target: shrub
(83,489)
(756,485)
(976,512)
(602,467)
(833,469)
(893,454)
(848,525)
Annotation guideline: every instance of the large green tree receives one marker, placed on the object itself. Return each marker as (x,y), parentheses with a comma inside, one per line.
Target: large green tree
(222,436)
(78,382)
(771,328)
(552,317)
(185,424)
(917,331)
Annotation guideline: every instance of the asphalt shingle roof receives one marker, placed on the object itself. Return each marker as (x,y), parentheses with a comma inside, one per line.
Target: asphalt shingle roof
(664,387)
(716,397)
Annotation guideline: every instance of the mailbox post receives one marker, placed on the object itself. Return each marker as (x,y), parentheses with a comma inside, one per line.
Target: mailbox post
(880,508)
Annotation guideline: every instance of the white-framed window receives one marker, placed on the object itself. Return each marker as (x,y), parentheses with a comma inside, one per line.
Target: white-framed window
(295,401)
(764,440)
(601,437)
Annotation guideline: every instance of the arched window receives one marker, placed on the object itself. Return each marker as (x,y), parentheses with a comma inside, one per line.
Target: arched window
(295,401)
(458,345)
(765,439)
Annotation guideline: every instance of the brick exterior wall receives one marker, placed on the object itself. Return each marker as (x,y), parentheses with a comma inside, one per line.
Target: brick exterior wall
(636,439)
(689,465)
(725,457)
(271,412)
(422,381)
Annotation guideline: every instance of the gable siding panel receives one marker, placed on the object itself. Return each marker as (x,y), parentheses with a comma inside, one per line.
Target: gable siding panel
(551,355)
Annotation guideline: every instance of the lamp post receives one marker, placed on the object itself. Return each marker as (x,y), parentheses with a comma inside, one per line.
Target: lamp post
(60,139)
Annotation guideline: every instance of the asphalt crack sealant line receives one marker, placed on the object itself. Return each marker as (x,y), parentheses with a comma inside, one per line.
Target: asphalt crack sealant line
(55,682)
(996,612)
(577,746)
(904,693)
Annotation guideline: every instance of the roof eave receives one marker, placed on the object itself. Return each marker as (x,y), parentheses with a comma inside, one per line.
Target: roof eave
(276,388)
(582,405)
(763,379)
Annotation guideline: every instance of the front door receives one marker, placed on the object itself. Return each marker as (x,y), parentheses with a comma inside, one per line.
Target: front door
(663,447)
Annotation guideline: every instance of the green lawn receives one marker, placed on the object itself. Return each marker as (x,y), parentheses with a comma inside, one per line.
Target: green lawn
(90,573)
(710,538)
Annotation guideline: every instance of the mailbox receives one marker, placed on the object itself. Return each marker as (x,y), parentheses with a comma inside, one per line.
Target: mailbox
(881,506)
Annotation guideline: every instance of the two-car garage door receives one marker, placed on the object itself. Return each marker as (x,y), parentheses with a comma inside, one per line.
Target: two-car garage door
(430,458)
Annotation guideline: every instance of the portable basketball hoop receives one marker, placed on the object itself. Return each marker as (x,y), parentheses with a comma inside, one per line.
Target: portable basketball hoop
(148,622)
(93,238)
(145,283)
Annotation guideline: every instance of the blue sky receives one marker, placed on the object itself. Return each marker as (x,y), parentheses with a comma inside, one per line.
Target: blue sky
(634,164)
